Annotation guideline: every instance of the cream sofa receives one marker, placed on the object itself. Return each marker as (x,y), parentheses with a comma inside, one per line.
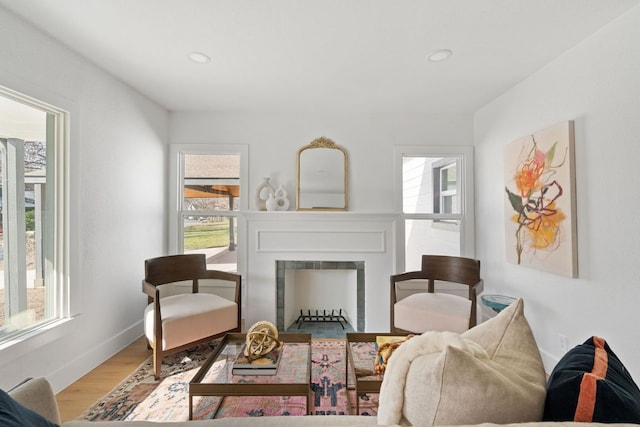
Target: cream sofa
(491,373)
(37,395)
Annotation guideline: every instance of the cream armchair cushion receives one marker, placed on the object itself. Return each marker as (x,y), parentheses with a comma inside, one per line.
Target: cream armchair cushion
(424,311)
(188,318)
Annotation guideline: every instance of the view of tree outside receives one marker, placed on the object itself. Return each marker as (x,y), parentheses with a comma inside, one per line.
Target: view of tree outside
(35,157)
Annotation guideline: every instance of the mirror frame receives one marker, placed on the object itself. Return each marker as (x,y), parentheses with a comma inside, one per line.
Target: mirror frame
(323,142)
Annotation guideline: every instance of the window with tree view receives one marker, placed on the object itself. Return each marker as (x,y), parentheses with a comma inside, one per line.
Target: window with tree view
(30,295)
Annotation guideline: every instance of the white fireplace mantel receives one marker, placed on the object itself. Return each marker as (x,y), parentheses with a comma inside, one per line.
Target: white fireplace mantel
(320,236)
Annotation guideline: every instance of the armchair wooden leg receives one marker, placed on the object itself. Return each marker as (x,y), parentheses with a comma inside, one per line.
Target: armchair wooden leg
(157,363)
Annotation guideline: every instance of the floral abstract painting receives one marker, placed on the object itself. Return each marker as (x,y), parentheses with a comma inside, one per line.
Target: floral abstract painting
(540,201)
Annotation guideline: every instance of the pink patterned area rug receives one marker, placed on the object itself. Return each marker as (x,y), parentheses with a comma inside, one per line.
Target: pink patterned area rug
(140,397)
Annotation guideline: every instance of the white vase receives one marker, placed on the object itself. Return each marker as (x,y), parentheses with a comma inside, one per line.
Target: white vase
(282,204)
(281,193)
(262,193)
(271,203)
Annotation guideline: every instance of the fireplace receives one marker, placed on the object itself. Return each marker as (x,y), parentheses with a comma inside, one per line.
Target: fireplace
(325,286)
(293,248)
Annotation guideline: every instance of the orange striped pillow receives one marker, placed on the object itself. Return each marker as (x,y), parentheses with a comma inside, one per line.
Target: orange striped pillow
(590,384)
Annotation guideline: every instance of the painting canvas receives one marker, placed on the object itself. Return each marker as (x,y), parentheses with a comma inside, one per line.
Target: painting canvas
(540,201)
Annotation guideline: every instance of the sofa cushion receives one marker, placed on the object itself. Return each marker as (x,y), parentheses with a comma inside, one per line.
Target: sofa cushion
(13,414)
(280,421)
(37,395)
(495,375)
(508,340)
(590,384)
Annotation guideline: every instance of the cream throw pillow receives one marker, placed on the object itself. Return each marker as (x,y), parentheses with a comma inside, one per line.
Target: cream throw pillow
(503,383)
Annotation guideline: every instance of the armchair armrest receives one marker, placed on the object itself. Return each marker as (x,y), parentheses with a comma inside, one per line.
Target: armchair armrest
(478,287)
(150,290)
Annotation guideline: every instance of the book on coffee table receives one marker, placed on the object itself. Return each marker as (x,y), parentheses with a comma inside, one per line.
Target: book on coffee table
(264,365)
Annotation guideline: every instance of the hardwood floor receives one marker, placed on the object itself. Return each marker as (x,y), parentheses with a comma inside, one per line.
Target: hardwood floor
(75,399)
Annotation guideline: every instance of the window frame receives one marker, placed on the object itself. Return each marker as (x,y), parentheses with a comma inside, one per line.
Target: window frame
(465,186)
(438,191)
(176,210)
(64,299)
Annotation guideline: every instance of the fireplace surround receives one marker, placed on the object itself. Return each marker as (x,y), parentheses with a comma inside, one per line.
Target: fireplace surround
(363,245)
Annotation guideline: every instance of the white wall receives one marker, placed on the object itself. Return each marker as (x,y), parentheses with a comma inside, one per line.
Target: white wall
(118,203)
(274,139)
(594,84)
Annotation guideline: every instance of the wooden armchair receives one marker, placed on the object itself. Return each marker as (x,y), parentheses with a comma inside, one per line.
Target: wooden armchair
(434,310)
(176,321)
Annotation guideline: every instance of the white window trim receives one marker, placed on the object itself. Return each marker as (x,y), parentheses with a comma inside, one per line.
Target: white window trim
(68,299)
(176,184)
(465,189)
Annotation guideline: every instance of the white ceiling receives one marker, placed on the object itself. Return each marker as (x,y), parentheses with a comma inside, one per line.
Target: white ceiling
(321,55)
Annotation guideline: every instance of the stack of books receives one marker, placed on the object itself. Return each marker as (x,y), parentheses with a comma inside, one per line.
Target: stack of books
(264,365)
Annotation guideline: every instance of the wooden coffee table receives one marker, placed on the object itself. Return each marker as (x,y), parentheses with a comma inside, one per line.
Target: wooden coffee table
(293,378)
(361,354)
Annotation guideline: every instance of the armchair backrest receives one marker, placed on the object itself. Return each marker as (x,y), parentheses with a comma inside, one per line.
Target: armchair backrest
(183,268)
(451,269)
(174,268)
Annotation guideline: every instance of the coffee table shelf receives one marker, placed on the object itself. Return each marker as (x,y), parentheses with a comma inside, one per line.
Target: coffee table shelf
(293,377)
(361,354)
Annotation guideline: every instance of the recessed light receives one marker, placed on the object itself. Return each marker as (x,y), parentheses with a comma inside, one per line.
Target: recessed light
(439,55)
(199,57)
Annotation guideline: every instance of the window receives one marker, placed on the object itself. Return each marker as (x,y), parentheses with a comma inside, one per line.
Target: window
(207,201)
(445,198)
(32,286)
(435,186)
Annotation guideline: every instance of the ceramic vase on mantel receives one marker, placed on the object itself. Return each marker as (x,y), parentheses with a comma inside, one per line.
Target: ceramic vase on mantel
(282,202)
(278,200)
(272,203)
(265,189)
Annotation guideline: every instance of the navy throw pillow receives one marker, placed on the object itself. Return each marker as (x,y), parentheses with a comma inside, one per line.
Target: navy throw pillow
(590,384)
(13,414)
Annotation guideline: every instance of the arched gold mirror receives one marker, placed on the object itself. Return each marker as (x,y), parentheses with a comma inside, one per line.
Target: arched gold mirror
(322,177)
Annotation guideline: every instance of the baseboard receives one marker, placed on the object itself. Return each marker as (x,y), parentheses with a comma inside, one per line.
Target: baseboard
(85,362)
